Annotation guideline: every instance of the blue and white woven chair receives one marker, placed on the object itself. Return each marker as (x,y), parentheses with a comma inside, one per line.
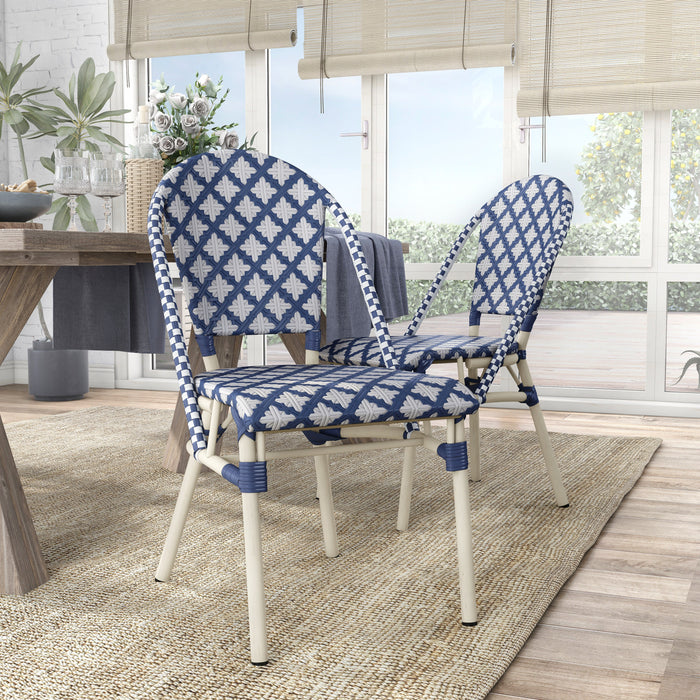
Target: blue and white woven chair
(521,232)
(247,236)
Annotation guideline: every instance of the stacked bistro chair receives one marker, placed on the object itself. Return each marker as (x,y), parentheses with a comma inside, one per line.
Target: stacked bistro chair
(521,232)
(247,237)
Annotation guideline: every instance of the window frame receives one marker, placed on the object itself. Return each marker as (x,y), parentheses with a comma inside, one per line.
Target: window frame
(650,266)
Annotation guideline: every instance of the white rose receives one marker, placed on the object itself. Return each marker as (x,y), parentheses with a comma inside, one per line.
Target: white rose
(203,80)
(200,107)
(162,122)
(180,144)
(228,139)
(178,100)
(157,97)
(167,145)
(190,124)
(155,139)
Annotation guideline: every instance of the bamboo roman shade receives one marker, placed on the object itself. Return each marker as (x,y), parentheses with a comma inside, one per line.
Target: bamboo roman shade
(366,37)
(147,28)
(608,56)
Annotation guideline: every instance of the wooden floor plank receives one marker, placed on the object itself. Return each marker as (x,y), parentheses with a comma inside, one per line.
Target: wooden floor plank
(662,544)
(606,613)
(653,564)
(644,656)
(675,687)
(620,583)
(546,680)
(653,527)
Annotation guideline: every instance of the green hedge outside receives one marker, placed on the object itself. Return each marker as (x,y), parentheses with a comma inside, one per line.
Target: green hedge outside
(430,242)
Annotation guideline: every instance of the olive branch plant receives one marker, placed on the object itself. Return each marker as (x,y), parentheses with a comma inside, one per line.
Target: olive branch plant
(78,122)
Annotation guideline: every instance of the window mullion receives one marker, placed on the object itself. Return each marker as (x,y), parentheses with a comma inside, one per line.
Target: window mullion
(374,157)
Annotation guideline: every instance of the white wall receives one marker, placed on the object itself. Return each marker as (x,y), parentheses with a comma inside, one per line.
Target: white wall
(64,33)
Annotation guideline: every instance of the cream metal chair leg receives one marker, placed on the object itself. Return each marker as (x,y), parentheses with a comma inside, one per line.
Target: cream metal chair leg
(409,465)
(550,459)
(474,439)
(463,527)
(325,501)
(257,617)
(177,522)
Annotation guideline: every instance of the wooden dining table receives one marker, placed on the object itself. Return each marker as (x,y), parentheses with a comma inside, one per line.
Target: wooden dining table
(29,259)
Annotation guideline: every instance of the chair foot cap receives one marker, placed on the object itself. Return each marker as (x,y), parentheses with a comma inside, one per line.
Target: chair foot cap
(159,580)
(566,505)
(469,624)
(259,663)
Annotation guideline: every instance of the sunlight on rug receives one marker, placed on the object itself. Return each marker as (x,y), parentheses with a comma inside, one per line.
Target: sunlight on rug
(380,621)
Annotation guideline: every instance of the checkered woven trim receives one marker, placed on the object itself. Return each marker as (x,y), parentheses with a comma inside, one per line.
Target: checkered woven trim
(172,319)
(445,268)
(366,283)
(279,397)
(415,353)
(519,225)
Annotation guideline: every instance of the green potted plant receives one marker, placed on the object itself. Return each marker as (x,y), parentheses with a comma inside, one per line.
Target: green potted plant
(691,362)
(77,123)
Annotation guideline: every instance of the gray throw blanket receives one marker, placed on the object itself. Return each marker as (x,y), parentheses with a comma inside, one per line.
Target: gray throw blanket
(347,315)
(114,307)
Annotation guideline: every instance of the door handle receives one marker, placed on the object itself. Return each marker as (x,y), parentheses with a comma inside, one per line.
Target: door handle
(364,133)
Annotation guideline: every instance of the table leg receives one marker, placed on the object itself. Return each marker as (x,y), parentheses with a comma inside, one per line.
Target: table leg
(296,344)
(21,564)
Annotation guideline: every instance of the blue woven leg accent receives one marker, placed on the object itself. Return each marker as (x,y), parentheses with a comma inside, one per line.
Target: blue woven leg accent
(522,354)
(250,477)
(313,340)
(231,473)
(455,455)
(253,477)
(530,392)
(206,345)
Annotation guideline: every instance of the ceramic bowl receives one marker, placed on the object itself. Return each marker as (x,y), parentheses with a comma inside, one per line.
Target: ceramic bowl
(23,206)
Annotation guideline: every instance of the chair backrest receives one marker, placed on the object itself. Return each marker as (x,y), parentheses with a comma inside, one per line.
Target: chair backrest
(518,226)
(521,229)
(247,235)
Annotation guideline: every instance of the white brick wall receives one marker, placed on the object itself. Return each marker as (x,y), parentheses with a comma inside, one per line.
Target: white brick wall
(64,33)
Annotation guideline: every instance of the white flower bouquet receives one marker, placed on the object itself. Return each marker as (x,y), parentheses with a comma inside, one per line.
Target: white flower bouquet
(182,124)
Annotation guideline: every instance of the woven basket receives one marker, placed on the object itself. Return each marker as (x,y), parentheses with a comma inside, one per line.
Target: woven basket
(142,178)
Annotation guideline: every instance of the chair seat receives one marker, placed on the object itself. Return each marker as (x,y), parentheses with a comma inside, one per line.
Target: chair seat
(280,397)
(415,353)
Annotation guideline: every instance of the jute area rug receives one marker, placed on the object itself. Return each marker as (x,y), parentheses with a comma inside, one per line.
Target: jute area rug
(380,621)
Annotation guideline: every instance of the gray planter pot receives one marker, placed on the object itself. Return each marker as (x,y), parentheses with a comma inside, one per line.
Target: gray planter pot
(57,375)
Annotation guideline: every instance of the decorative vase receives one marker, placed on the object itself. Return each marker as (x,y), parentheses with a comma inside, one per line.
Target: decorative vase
(142,178)
(57,375)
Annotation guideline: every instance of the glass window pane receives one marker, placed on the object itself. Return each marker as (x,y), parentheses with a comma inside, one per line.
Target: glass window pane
(599,157)
(683,337)
(445,154)
(685,187)
(308,139)
(579,327)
